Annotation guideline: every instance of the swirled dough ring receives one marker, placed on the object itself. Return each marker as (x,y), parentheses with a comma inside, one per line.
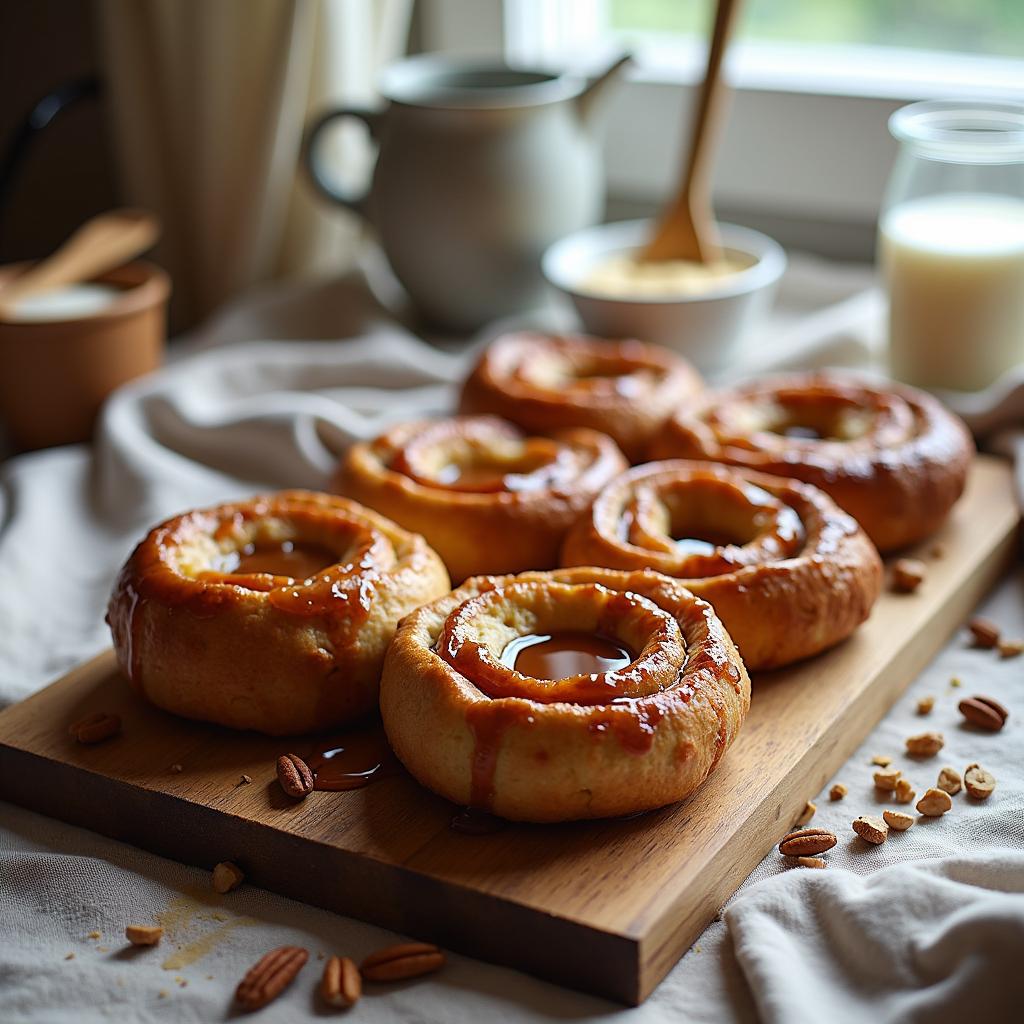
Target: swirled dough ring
(787,571)
(588,746)
(256,650)
(548,382)
(891,456)
(487,499)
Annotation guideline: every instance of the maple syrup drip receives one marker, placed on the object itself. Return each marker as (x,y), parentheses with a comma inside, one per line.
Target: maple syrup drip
(352,761)
(565,653)
(296,559)
(473,822)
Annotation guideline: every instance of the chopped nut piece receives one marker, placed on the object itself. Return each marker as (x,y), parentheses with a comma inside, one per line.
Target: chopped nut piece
(245,780)
(94,935)
(904,792)
(882,760)
(807,813)
(898,820)
(810,862)
(887,779)
(949,780)
(978,782)
(937,551)
(984,631)
(984,712)
(176,769)
(925,744)
(907,575)
(873,829)
(837,792)
(341,985)
(807,842)
(227,876)
(1011,648)
(925,705)
(70,956)
(934,803)
(955,682)
(143,934)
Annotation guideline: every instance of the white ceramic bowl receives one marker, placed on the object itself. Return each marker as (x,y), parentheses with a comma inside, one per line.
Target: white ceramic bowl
(706,328)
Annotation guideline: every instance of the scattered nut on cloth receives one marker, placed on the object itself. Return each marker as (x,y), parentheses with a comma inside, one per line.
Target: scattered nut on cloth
(245,415)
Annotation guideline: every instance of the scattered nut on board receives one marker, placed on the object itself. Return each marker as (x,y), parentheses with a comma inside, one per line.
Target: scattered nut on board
(887,779)
(984,631)
(955,682)
(898,820)
(925,705)
(341,985)
(810,862)
(904,792)
(227,876)
(294,775)
(176,769)
(925,744)
(871,828)
(95,728)
(406,960)
(978,782)
(934,803)
(838,791)
(984,712)
(143,934)
(245,780)
(1011,648)
(908,574)
(806,814)
(270,976)
(806,842)
(949,780)
(882,760)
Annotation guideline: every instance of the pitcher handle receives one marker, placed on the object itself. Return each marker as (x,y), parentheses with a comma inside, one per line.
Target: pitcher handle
(322,184)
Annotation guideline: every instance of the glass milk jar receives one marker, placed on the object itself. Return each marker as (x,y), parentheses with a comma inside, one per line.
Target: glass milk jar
(951,244)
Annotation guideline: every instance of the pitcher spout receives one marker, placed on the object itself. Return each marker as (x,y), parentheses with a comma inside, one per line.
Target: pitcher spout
(590,102)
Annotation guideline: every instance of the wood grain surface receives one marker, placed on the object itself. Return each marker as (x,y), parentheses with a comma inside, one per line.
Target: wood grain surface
(607,907)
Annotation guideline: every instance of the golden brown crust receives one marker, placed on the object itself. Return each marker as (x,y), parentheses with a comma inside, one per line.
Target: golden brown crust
(789,573)
(261,651)
(548,382)
(890,455)
(487,499)
(616,743)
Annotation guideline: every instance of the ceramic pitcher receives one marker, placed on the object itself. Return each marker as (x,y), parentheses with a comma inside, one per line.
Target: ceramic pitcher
(479,168)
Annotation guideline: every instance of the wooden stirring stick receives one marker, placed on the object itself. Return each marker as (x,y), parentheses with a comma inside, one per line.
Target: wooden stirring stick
(100,244)
(687,230)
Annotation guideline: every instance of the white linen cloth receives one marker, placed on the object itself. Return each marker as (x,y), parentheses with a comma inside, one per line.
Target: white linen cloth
(236,416)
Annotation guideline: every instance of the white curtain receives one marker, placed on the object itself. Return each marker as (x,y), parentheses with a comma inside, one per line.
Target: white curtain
(208,101)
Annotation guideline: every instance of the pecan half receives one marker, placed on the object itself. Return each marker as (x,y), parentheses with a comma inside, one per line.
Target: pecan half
(978,782)
(873,829)
(341,985)
(95,728)
(270,976)
(984,631)
(984,712)
(406,960)
(294,775)
(806,842)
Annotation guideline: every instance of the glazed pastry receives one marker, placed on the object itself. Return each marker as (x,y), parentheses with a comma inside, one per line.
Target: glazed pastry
(271,614)
(547,382)
(580,693)
(891,456)
(487,498)
(787,571)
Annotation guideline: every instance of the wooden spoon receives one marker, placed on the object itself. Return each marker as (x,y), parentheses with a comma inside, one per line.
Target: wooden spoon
(100,244)
(687,230)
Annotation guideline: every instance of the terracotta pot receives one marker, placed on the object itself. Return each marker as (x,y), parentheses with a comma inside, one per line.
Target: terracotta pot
(55,374)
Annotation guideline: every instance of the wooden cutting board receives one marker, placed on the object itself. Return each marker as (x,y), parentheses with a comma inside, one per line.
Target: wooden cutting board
(607,907)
